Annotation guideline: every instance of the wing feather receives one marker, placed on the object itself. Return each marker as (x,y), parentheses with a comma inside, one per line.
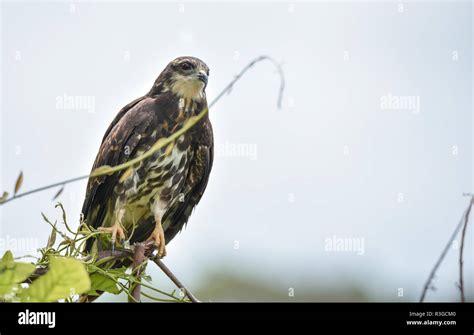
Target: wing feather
(121,141)
(194,189)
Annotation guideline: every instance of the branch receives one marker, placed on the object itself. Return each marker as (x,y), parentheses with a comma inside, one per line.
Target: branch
(105,170)
(445,250)
(229,86)
(461,251)
(44,188)
(174,279)
(138,258)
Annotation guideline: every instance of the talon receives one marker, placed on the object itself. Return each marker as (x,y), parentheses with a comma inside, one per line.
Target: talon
(158,239)
(115,230)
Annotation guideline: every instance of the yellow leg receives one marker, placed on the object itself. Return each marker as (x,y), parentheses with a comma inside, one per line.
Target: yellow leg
(158,238)
(115,230)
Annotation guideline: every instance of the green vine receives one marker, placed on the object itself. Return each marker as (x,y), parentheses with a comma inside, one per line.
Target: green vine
(64,273)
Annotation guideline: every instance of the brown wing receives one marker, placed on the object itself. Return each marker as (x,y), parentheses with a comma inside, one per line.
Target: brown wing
(124,136)
(120,114)
(196,182)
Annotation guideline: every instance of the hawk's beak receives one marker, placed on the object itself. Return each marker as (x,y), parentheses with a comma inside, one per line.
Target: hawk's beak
(202,77)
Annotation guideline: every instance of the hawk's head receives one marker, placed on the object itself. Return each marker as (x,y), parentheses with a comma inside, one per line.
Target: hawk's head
(185,77)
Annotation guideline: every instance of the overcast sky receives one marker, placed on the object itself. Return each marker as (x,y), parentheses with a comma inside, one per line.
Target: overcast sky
(373,145)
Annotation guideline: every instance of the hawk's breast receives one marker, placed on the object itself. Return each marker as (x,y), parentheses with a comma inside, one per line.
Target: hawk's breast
(156,181)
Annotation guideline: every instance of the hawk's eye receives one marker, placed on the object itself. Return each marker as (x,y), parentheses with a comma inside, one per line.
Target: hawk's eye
(186,66)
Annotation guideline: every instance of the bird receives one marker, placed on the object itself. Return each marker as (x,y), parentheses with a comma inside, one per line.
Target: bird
(152,200)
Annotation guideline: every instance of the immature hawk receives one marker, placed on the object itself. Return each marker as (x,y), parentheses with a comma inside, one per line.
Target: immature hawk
(153,200)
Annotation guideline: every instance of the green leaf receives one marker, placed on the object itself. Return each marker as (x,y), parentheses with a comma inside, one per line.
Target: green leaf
(7,260)
(12,273)
(99,282)
(52,238)
(4,197)
(65,277)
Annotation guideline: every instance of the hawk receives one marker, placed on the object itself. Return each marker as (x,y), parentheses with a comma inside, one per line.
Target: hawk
(152,200)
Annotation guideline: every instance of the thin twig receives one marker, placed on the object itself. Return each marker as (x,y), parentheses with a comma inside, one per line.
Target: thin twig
(174,279)
(229,86)
(109,255)
(151,288)
(44,188)
(60,205)
(461,250)
(443,253)
(149,296)
(108,170)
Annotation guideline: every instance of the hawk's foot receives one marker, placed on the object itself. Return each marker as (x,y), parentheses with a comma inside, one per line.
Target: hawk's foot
(115,230)
(158,238)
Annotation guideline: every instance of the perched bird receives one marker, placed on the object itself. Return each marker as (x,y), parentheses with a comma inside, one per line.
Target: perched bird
(153,199)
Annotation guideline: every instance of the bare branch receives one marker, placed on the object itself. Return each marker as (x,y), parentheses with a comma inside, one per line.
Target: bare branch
(174,279)
(461,250)
(230,85)
(138,258)
(445,251)
(44,188)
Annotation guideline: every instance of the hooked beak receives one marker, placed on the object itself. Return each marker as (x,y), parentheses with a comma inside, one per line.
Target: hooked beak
(202,77)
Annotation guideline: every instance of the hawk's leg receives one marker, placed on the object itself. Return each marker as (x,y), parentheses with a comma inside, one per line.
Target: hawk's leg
(115,230)
(158,237)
